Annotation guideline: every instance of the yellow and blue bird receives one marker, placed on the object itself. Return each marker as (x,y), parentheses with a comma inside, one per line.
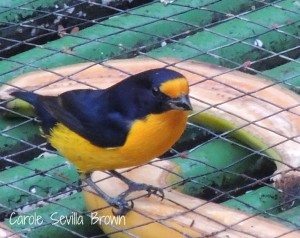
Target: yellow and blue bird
(125,125)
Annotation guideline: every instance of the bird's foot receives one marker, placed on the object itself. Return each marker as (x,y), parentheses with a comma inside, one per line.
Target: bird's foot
(133,186)
(118,202)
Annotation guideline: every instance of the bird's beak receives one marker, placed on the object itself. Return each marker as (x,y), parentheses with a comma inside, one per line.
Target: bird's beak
(180,103)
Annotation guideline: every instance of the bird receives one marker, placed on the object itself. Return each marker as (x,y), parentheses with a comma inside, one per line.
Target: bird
(125,125)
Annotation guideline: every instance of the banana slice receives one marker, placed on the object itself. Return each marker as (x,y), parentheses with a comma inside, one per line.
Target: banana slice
(178,215)
(254,110)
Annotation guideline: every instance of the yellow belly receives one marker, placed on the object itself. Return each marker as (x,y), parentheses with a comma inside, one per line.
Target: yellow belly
(147,139)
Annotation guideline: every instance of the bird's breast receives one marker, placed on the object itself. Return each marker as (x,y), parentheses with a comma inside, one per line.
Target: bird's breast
(154,135)
(147,138)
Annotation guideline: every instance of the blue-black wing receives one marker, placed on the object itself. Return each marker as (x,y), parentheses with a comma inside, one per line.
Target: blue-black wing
(86,112)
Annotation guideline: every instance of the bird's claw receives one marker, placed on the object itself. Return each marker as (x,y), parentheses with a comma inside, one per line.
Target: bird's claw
(155,190)
(124,206)
(140,187)
(121,204)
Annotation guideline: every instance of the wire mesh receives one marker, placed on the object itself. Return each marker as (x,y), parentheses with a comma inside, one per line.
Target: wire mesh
(259,38)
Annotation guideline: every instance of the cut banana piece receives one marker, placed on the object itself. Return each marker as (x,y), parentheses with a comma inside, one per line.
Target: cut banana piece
(252,109)
(178,215)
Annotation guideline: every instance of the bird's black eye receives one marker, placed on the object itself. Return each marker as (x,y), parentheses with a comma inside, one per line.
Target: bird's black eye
(155,91)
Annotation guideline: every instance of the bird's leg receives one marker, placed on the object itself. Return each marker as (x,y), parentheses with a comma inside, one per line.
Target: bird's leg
(120,203)
(133,186)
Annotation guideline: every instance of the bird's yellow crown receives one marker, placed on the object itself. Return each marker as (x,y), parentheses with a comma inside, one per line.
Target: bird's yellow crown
(175,88)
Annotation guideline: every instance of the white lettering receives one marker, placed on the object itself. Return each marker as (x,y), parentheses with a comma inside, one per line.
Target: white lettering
(107,220)
(31,220)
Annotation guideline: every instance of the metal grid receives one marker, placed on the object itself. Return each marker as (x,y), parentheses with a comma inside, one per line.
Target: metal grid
(182,43)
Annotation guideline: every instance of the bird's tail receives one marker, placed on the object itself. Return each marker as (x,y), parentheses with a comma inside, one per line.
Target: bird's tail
(47,121)
(29,97)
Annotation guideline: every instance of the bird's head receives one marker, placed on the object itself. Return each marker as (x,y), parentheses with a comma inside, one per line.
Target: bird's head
(165,88)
